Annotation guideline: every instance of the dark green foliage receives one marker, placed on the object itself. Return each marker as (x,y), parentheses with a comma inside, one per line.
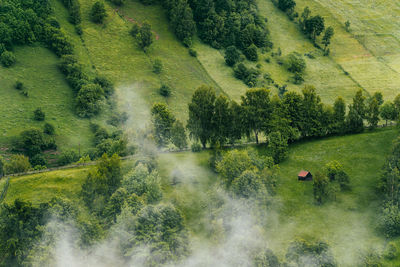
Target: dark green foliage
(295,63)
(201,110)
(38,114)
(75,76)
(388,112)
(277,146)
(356,113)
(248,75)
(390,220)
(33,141)
(303,252)
(8,59)
(106,85)
(286,5)
(17,164)
(165,90)
(98,12)
(180,16)
(320,188)
(178,135)
(144,35)
(56,40)
(102,182)
(372,112)
(89,100)
(221,120)
(196,147)
(21,225)
(38,160)
(192,52)
(347,25)
(19,85)
(257,111)
(339,116)
(68,157)
(232,55)
(74,10)
(157,66)
(251,53)
(314,26)
(247,184)
(163,120)
(326,39)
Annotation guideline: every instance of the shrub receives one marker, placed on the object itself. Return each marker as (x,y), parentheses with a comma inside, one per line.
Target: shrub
(8,59)
(157,66)
(98,12)
(38,114)
(67,157)
(192,52)
(295,63)
(19,85)
(196,147)
(251,53)
(48,129)
(38,160)
(165,90)
(106,85)
(232,56)
(17,164)
(89,100)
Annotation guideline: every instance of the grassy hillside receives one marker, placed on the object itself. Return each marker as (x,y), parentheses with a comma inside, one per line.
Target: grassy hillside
(348,223)
(37,68)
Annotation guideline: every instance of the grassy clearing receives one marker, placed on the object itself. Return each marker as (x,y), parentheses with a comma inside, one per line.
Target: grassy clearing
(348,224)
(37,68)
(42,187)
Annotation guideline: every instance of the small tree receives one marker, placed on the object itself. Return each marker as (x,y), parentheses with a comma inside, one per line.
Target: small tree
(326,40)
(48,129)
(157,66)
(251,53)
(38,114)
(165,90)
(8,59)
(347,25)
(295,63)
(163,120)
(286,5)
(178,135)
(144,36)
(98,12)
(373,113)
(232,55)
(320,187)
(388,112)
(277,146)
(314,26)
(89,100)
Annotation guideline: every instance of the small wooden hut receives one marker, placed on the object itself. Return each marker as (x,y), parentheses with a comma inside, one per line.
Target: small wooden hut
(304,176)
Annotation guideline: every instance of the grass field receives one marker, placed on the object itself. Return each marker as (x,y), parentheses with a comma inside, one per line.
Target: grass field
(348,224)
(37,68)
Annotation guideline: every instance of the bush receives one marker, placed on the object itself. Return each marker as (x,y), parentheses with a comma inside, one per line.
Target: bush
(157,66)
(89,100)
(17,164)
(295,63)
(232,56)
(38,114)
(98,12)
(165,90)
(106,85)
(19,85)
(38,160)
(7,59)
(251,53)
(67,157)
(192,52)
(196,147)
(48,129)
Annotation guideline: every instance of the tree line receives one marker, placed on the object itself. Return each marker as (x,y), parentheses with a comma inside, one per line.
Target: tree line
(215,120)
